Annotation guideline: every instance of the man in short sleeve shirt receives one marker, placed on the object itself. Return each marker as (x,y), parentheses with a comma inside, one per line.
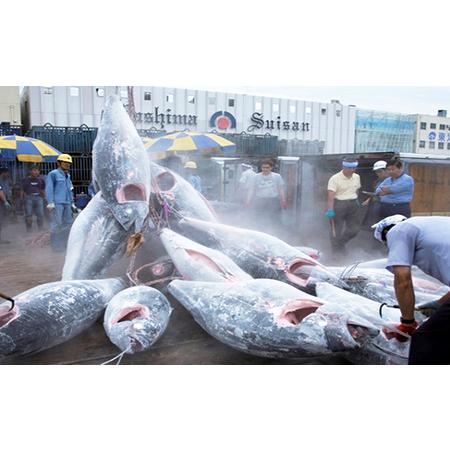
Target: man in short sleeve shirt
(343,206)
(424,242)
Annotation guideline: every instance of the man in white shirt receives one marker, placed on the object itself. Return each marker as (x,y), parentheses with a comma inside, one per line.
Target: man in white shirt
(266,195)
(343,205)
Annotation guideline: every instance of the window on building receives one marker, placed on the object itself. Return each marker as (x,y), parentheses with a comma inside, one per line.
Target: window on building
(231,102)
(211,100)
(441,146)
(74,92)
(308,110)
(323,111)
(431,144)
(338,113)
(258,106)
(422,144)
(100,92)
(169,98)
(433,126)
(441,126)
(292,109)
(47,90)
(191,99)
(423,125)
(275,107)
(448,145)
(147,96)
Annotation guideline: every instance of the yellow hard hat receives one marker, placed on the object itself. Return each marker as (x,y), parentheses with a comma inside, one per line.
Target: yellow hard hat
(190,165)
(64,157)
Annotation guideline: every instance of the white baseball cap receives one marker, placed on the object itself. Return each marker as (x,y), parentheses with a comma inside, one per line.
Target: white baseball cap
(379,165)
(386,222)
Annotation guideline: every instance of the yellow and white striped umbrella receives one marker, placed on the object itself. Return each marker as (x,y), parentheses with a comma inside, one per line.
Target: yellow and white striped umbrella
(187,141)
(26,149)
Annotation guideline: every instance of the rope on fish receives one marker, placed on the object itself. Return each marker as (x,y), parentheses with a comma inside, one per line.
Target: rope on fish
(347,271)
(119,357)
(10,299)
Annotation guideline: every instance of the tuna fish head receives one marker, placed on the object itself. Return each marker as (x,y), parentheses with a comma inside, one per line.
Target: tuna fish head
(120,166)
(136,318)
(199,263)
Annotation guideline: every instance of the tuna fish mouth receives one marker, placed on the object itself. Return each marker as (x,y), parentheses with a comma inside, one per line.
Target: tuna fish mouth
(130,313)
(7,316)
(295,311)
(207,261)
(299,271)
(165,181)
(131,192)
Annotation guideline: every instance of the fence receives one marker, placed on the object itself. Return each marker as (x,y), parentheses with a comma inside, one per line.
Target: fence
(6,129)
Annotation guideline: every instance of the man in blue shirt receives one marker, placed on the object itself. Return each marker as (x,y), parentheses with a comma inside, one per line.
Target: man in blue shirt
(424,242)
(396,191)
(59,193)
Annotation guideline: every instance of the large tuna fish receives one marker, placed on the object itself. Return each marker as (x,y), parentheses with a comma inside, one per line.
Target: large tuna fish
(136,318)
(96,241)
(261,255)
(378,350)
(196,262)
(179,195)
(378,284)
(120,166)
(52,313)
(271,319)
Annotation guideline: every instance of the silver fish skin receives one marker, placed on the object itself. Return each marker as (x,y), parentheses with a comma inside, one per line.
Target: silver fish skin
(271,319)
(377,350)
(262,255)
(95,242)
(136,318)
(180,194)
(196,262)
(120,166)
(53,313)
(378,284)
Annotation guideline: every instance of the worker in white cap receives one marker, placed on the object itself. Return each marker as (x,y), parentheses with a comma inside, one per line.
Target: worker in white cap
(374,213)
(423,242)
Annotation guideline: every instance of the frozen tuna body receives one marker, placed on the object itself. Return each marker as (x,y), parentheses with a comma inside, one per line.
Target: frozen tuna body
(179,195)
(120,167)
(136,318)
(96,241)
(262,255)
(196,262)
(53,313)
(271,319)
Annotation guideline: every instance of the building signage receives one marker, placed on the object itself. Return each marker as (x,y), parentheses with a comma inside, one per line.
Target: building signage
(222,120)
(258,123)
(165,118)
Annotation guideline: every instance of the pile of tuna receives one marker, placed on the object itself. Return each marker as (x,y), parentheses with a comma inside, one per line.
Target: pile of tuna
(248,289)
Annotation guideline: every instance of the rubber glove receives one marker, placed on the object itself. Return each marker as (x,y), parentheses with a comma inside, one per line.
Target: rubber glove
(330,213)
(403,327)
(51,206)
(428,308)
(7,204)
(75,210)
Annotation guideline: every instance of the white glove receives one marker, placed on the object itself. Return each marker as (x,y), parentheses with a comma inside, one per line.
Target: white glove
(51,206)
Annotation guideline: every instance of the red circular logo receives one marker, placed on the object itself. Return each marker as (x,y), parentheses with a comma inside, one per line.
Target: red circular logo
(223,123)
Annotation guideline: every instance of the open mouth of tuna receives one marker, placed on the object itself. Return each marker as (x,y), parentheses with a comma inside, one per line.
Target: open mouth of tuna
(299,271)
(7,316)
(131,313)
(132,192)
(295,311)
(207,261)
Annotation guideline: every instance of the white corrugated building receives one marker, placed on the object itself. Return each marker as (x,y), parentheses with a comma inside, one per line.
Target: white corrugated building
(330,125)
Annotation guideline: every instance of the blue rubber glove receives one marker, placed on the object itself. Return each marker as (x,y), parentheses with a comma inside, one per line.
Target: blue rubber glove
(330,213)
(7,204)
